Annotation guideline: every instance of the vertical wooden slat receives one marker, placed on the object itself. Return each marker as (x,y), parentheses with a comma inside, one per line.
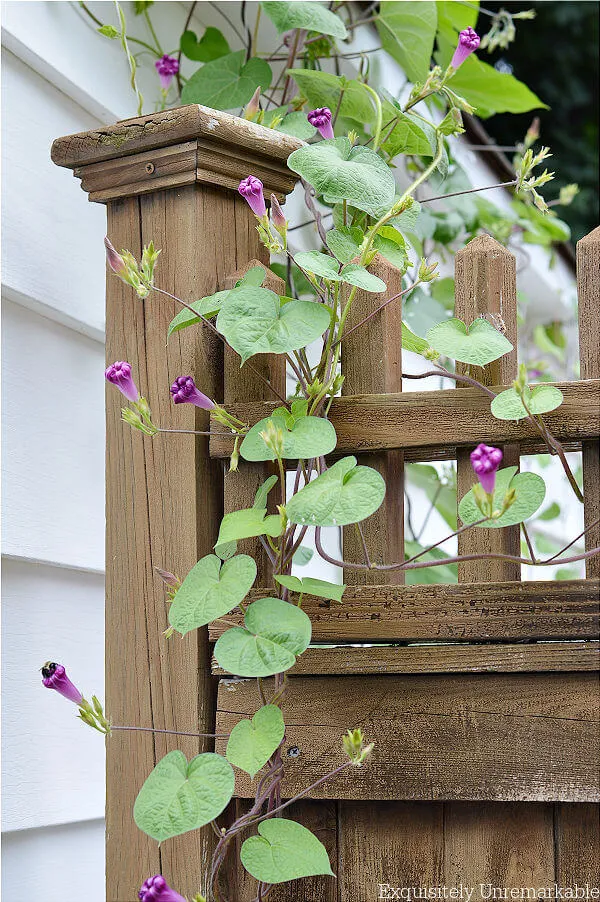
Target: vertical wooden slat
(588,290)
(577,836)
(485,283)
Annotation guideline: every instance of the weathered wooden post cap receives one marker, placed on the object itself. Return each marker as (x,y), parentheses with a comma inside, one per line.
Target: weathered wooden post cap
(176,147)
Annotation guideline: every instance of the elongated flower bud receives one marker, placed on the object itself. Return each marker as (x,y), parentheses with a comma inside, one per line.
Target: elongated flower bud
(156,889)
(278,217)
(114,259)
(54,676)
(485,461)
(251,190)
(119,374)
(184,391)
(321,120)
(253,105)
(468,42)
(167,67)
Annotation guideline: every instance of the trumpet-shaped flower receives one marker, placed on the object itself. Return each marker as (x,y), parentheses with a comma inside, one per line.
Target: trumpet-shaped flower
(468,42)
(119,374)
(321,120)
(156,889)
(251,190)
(485,461)
(184,391)
(54,676)
(167,68)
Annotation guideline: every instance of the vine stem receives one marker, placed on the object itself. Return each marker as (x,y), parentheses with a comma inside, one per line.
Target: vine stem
(171,732)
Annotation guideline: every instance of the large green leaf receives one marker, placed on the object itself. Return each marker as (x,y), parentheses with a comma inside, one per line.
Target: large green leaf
(530,489)
(479,344)
(323,89)
(252,742)
(407,32)
(318,264)
(353,274)
(254,321)
(309,586)
(275,632)
(303,438)
(409,135)
(284,851)
(341,495)
(297,125)
(345,242)
(340,172)
(227,82)
(211,45)
(210,590)
(178,796)
(540,399)
(210,306)
(248,523)
(312,16)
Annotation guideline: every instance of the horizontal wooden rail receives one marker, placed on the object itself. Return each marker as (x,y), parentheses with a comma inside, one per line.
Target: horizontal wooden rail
(470,611)
(438,420)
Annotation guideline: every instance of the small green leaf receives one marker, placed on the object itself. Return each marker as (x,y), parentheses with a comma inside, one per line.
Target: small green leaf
(345,242)
(530,489)
(542,399)
(227,82)
(412,342)
(407,135)
(341,495)
(319,264)
(262,494)
(109,31)
(306,437)
(407,32)
(309,586)
(211,45)
(252,742)
(362,278)
(323,89)
(210,590)
(479,344)
(297,125)
(551,512)
(253,278)
(303,556)
(248,523)
(206,307)
(178,797)
(284,851)
(275,633)
(391,245)
(312,16)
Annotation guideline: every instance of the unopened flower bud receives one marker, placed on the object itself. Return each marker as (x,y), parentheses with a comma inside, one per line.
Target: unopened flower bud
(278,219)
(427,271)
(321,120)
(251,190)
(54,676)
(167,67)
(119,375)
(253,106)
(273,438)
(468,42)
(567,194)
(508,500)
(355,747)
(156,889)
(184,391)
(485,461)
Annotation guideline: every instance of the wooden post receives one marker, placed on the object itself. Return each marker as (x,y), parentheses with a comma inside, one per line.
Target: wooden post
(171,178)
(485,283)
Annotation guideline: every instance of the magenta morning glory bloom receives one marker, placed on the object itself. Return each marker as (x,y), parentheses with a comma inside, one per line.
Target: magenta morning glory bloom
(468,41)
(321,119)
(55,677)
(119,374)
(167,67)
(114,259)
(184,391)
(485,461)
(251,190)
(156,889)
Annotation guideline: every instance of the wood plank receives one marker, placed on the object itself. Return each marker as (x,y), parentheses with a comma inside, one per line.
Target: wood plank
(577,844)
(428,422)
(504,611)
(486,737)
(463,658)
(165,167)
(588,290)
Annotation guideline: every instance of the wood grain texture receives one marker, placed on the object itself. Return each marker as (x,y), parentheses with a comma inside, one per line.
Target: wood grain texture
(428,425)
(502,611)
(503,737)
(577,830)
(485,280)
(166,167)
(375,372)
(588,290)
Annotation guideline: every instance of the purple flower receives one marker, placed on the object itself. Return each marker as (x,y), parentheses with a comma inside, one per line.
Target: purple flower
(485,461)
(251,190)
(167,66)
(54,676)
(184,391)
(156,889)
(119,374)
(114,259)
(277,216)
(468,41)
(321,119)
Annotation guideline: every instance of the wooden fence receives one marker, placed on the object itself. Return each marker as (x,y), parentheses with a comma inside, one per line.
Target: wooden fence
(486,763)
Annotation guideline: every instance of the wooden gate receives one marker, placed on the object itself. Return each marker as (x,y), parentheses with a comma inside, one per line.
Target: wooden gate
(482,697)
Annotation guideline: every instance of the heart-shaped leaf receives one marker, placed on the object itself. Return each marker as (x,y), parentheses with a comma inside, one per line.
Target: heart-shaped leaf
(178,796)
(324,89)
(341,495)
(340,172)
(248,523)
(357,275)
(210,306)
(284,851)
(530,489)
(275,633)
(345,242)
(210,590)
(307,437)
(227,82)
(412,342)
(319,264)
(479,344)
(541,399)
(309,586)
(303,556)
(210,47)
(311,16)
(254,321)
(252,742)
(407,32)
(297,125)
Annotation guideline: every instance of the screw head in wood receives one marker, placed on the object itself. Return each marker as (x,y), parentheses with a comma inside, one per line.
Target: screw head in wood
(150,167)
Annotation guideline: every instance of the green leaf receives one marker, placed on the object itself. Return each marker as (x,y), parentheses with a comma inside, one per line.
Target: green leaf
(479,344)
(297,125)
(312,16)
(440,492)
(303,556)
(443,291)
(109,31)
(252,742)
(345,242)
(226,550)
(319,264)
(140,6)
(342,172)
(409,135)
(178,797)
(407,32)
(391,245)
(284,851)
(341,495)
(227,82)
(412,342)
(444,574)
(309,586)
(211,46)
(306,437)
(530,489)
(551,512)
(357,275)
(262,494)
(455,16)
(323,89)
(254,321)
(275,633)
(206,307)
(248,523)
(542,398)
(210,590)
